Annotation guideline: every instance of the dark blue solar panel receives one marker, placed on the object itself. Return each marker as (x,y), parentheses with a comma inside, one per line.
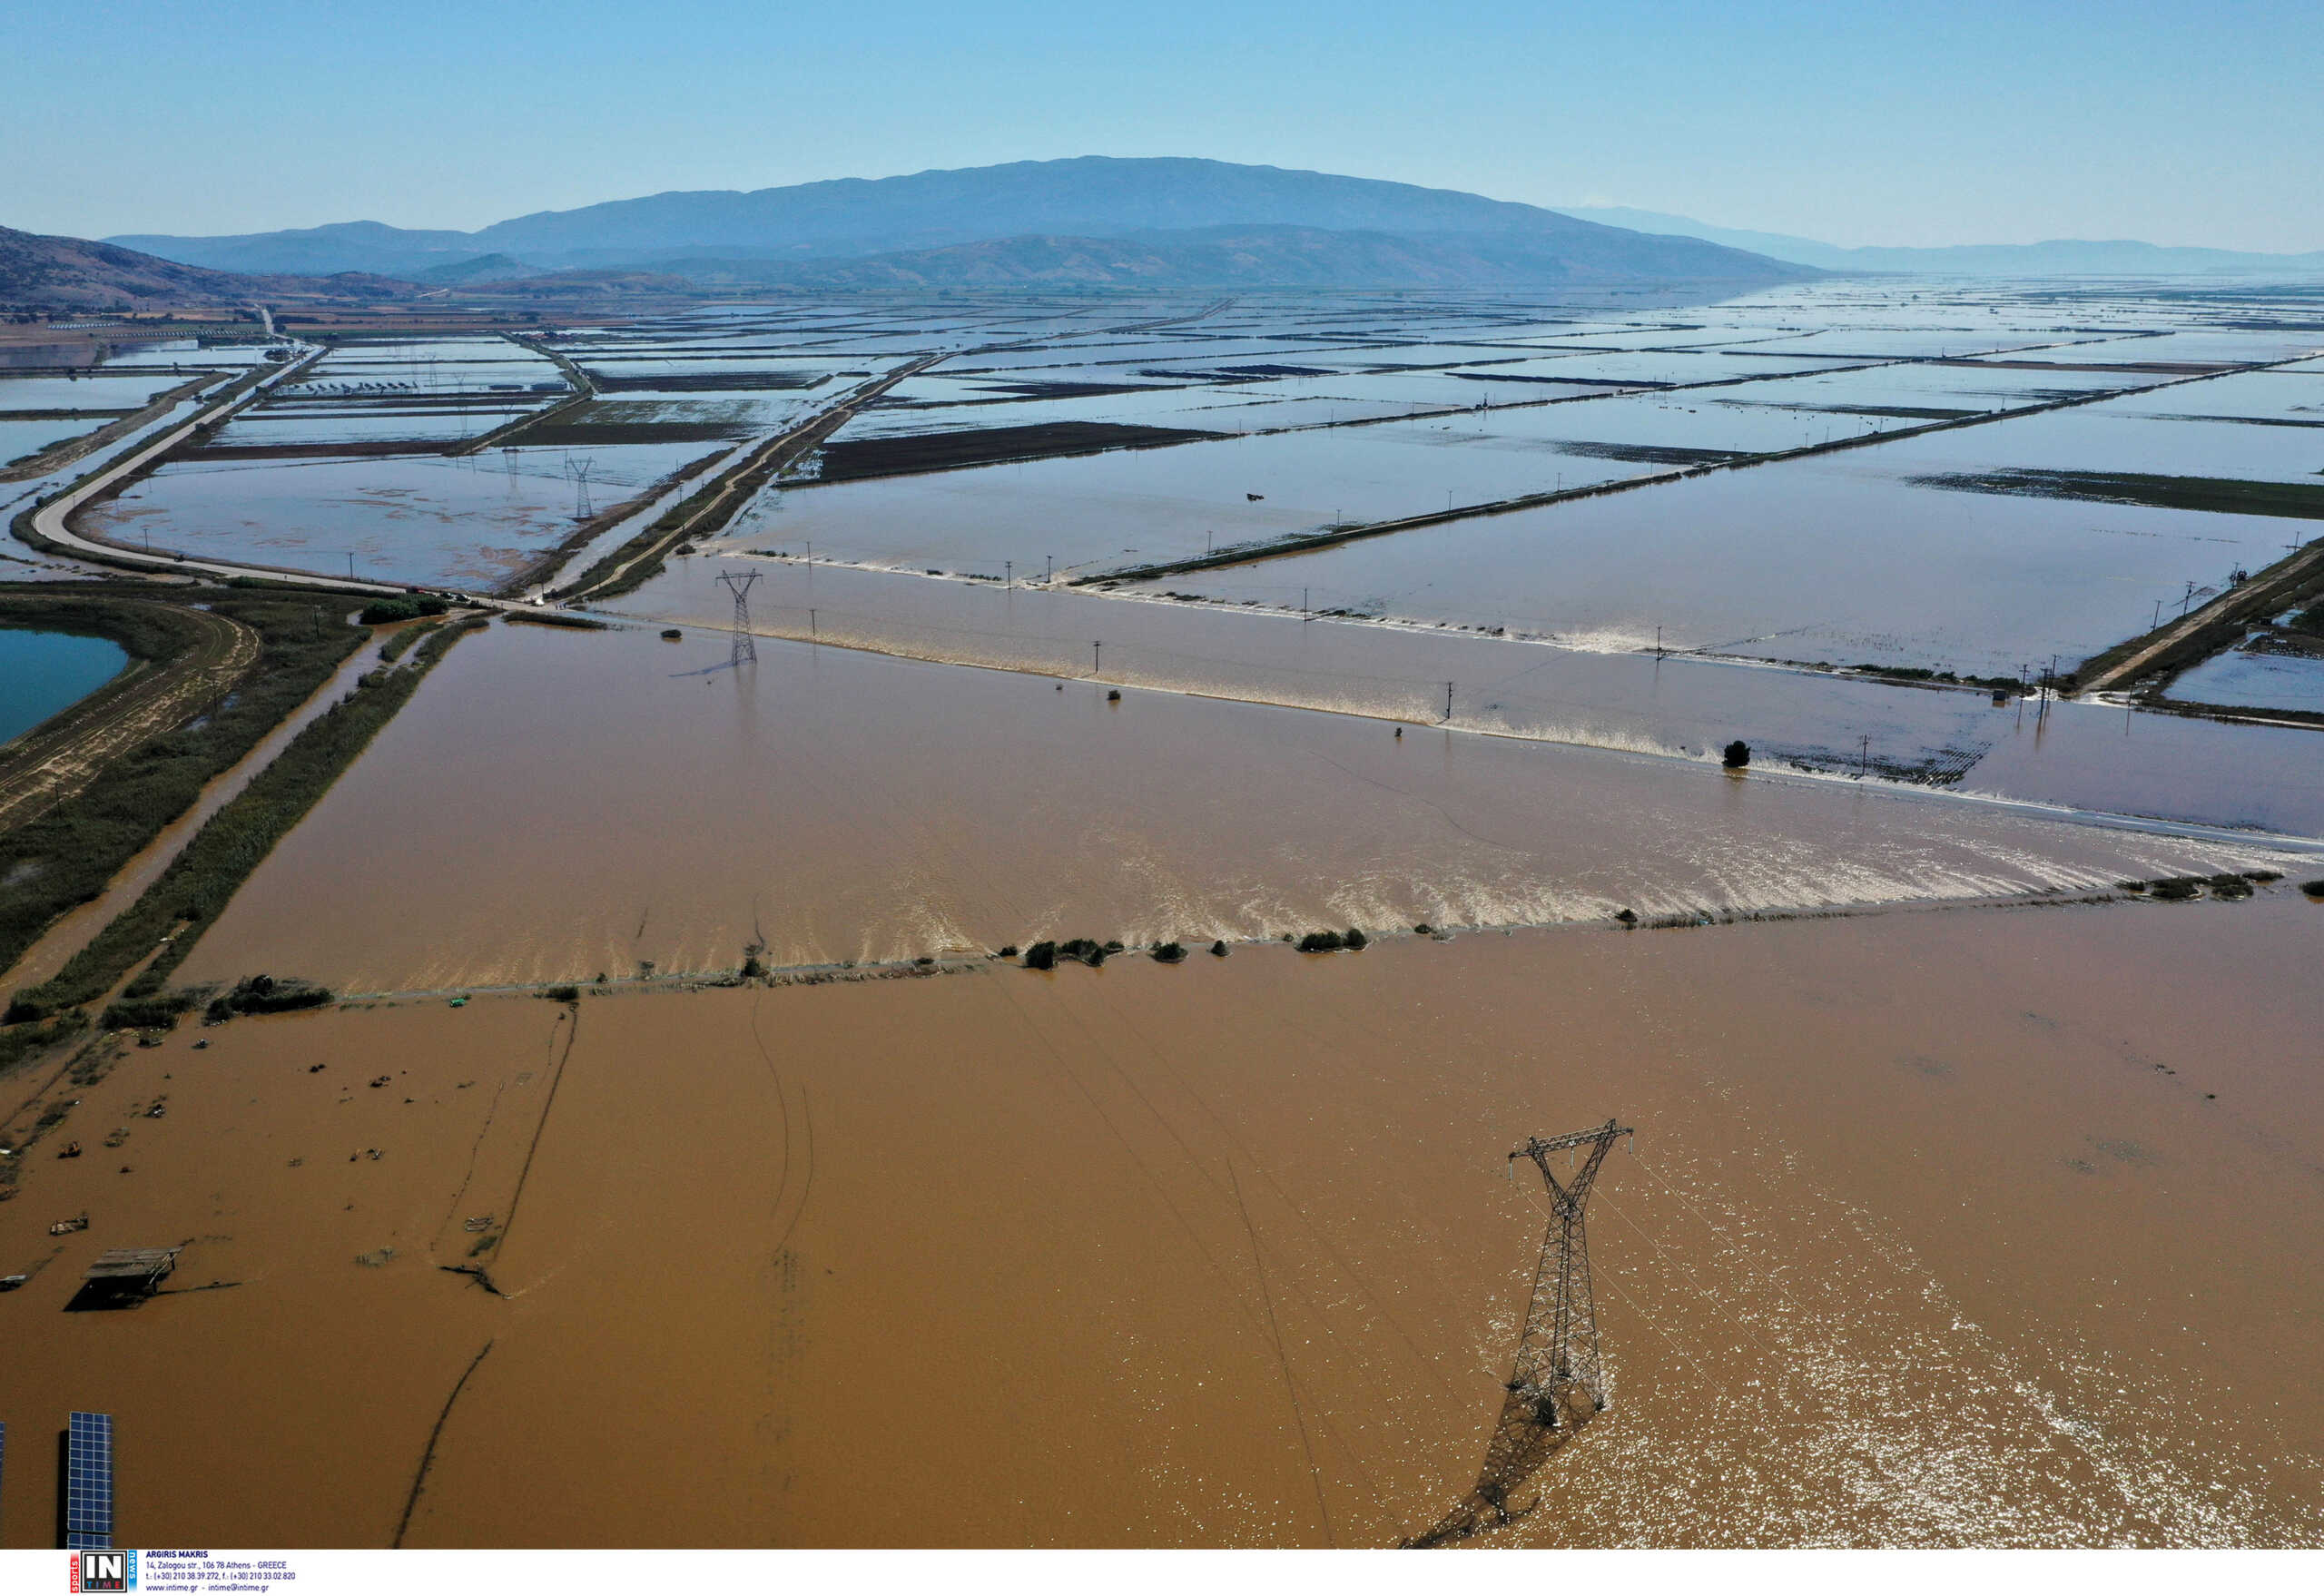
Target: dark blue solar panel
(88,1481)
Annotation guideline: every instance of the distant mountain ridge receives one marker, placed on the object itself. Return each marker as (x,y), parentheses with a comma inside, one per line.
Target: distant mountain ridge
(2052,258)
(1244,256)
(1085,197)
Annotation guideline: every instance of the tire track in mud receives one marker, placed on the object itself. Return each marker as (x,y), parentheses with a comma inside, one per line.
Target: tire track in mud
(427,1457)
(572,1020)
(1283,1361)
(1382,1391)
(805,1128)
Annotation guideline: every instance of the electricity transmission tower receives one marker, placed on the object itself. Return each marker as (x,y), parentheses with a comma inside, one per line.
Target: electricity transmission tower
(1557,1385)
(579,471)
(747,648)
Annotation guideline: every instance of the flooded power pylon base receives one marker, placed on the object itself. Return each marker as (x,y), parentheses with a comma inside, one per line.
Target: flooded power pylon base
(1557,1385)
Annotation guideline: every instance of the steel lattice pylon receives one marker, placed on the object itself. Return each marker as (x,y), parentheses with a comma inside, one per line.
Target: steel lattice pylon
(746,647)
(1559,1383)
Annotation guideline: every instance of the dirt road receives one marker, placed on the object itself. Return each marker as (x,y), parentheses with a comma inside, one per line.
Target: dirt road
(57,759)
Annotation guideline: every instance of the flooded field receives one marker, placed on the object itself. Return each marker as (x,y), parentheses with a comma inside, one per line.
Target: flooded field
(1851,559)
(43,672)
(463,522)
(2257,681)
(676,1091)
(1932,1222)
(1594,691)
(829,806)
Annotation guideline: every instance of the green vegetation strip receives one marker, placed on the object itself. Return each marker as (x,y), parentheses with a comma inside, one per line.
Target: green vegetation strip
(203,878)
(64,857)
(2222,495)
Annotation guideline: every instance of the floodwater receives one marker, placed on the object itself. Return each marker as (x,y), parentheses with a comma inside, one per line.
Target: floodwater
(1595,690)
(465,522)
(1847,558)
(1986,1227)
(2256,681)
(554,805)
(43,672)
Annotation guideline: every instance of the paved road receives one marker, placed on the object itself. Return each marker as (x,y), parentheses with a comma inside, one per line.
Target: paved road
(51,520)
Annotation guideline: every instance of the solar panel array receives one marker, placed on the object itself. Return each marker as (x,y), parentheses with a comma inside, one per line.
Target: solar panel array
(88,1481)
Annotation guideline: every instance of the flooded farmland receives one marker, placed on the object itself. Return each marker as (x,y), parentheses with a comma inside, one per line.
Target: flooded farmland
(680,1072)
(829,806)
(1177,1218)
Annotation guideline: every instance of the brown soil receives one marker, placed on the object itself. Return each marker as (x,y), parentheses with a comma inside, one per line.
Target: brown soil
(846,460)
(365,448)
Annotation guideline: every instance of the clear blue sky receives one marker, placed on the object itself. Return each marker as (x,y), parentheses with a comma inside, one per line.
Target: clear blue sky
(1875,122)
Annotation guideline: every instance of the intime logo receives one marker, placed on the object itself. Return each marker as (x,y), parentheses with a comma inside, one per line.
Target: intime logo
(104,1570)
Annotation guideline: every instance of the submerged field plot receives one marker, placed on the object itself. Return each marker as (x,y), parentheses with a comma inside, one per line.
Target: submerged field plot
(837,806)
(1809,1333)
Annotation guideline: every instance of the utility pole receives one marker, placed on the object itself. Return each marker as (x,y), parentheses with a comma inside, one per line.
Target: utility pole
(1094,654)
(1557,1384)
(813,634)
(1048,570)
(1863,756)
(1448,701)
(1009,573)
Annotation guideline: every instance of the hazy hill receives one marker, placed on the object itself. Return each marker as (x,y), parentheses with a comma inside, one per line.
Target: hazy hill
(2055,257)
(78,274)
(1089,197)
(342,246)
(1259,256)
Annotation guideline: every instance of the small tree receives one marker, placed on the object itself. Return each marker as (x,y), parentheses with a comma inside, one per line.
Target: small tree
(1738,755)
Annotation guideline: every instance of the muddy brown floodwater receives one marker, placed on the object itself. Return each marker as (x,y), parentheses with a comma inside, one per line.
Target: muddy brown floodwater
(554,805)
(1942,1226)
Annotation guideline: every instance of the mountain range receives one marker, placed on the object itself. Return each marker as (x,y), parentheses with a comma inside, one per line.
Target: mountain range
(1180,215)
(1090,221)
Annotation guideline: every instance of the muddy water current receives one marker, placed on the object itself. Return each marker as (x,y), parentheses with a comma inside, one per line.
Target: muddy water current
(1593,689)
(554,805)
(1986,1227)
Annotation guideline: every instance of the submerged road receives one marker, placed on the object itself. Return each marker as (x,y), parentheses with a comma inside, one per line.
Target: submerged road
(2290,574)
(747,474)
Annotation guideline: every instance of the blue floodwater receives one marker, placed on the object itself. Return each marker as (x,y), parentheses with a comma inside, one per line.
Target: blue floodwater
(42,672)
(2254,681)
